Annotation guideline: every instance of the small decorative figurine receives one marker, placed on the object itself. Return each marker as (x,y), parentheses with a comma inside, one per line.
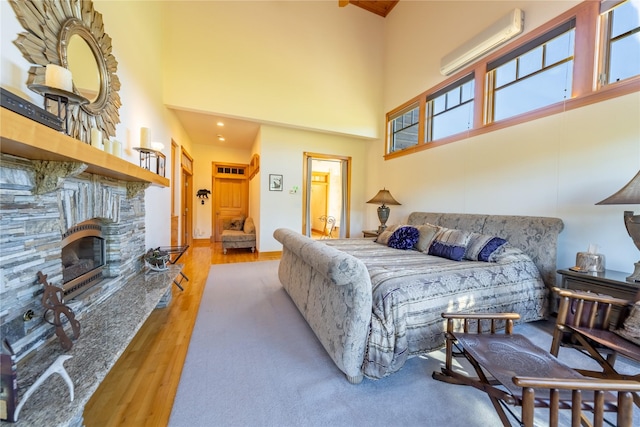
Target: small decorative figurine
(52,301)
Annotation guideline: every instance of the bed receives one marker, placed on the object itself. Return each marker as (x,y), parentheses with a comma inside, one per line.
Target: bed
(373,307)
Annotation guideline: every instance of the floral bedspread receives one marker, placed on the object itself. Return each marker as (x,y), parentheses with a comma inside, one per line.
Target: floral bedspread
(412,289)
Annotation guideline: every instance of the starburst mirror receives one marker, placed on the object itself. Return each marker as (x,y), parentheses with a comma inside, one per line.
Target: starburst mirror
(70,33)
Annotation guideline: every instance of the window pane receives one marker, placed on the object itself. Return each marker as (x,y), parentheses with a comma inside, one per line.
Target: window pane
(405,138)
(439,105)
(626,17)
(451,112)
(404,129)
(530,62)
(453,121)
(467,91)
(453,98)
(559,48)
(506,73)
(624,42)
(625,58)
(542,89)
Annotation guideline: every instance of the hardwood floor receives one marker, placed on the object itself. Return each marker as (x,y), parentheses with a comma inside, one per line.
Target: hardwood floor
(141,387)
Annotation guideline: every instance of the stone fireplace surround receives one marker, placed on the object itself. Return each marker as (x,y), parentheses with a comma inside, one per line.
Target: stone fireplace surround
(32,226)
(39,200)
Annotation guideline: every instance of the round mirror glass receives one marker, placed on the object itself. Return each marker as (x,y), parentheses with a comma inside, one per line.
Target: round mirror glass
(84,68)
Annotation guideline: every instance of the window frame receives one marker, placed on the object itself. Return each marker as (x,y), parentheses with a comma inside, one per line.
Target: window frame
(407,107)
(590,38)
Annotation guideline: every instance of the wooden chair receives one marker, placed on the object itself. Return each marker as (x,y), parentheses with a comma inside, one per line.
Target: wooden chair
(513,371)
(586,322)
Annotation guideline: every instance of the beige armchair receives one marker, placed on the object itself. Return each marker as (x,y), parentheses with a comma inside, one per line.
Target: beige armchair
(238,233)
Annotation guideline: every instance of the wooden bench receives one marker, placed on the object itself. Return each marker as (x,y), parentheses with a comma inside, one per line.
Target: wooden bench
(513,371)
(584,323)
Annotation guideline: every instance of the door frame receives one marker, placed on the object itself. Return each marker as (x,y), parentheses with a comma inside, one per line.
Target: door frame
(237,171)
(186,201)
(175,191)
(345,161)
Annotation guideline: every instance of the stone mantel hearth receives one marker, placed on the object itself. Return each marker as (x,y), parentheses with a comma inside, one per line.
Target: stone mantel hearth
(106,332)
(49,183)
(32,226)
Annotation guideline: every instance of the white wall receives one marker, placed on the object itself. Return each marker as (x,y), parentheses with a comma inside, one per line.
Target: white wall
(556,166)
(135,28)
(308,64)
(282,153)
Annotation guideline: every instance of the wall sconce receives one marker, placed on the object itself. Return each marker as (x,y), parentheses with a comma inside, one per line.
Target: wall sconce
(203,194)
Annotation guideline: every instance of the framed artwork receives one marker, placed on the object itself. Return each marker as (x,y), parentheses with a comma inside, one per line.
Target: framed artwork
(161,164)
(275,182)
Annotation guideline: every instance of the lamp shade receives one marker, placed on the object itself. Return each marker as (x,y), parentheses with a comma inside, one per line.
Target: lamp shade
(627,195)
(383,198)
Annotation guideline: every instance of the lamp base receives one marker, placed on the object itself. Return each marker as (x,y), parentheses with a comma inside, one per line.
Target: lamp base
(635,276)
(383,216)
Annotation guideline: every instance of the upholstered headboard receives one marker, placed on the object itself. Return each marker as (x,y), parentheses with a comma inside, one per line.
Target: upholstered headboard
(536,236)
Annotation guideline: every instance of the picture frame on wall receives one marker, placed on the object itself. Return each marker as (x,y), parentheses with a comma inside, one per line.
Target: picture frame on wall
(161,165)
(275,182)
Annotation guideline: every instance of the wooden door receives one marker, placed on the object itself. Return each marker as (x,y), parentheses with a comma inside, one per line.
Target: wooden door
(175,216)
(187,216)
(230,200)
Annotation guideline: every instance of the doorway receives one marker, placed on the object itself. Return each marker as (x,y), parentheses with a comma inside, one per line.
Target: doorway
(326,195)
(230,195)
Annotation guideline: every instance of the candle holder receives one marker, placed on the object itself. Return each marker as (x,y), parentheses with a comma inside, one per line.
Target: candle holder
(62,98)
(152,160)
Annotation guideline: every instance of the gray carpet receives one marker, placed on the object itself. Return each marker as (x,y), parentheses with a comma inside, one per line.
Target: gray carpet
(253,361)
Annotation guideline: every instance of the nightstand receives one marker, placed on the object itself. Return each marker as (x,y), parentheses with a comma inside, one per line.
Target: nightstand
(370,233)
(610,282)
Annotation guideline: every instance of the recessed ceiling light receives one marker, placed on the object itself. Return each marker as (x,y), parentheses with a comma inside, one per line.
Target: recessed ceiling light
(220,124)
(220,138)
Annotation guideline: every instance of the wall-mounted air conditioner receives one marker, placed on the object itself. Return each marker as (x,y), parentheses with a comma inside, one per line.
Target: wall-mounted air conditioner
(501,31)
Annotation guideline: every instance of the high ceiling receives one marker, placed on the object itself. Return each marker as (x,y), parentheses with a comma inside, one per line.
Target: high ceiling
(203,128)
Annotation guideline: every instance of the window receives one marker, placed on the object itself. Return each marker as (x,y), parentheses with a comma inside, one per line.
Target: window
(450,110)
(404,129)
(547,71)
(622,46)
(533,76)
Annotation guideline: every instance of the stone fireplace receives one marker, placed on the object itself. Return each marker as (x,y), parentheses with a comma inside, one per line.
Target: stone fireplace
(100,222)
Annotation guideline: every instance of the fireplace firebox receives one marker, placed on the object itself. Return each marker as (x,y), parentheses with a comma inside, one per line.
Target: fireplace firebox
(83,258)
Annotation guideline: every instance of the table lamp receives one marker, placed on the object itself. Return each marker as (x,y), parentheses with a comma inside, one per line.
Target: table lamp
(629,195)
(385,198)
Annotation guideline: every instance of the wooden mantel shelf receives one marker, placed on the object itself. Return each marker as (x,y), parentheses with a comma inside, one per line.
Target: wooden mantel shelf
(23,137)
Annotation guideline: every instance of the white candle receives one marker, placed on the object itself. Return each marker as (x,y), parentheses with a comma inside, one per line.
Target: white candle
(107,146)
(144,137)
(116,148)
(58,77)
(96,138)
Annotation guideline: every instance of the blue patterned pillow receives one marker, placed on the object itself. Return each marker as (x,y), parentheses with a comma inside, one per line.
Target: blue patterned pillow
(404,238)
(450,243)
(481,247)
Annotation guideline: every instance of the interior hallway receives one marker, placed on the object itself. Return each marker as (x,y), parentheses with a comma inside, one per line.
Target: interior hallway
(141,387)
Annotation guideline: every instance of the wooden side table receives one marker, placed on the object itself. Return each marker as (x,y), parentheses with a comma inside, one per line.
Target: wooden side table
(370,233)
(610,282)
